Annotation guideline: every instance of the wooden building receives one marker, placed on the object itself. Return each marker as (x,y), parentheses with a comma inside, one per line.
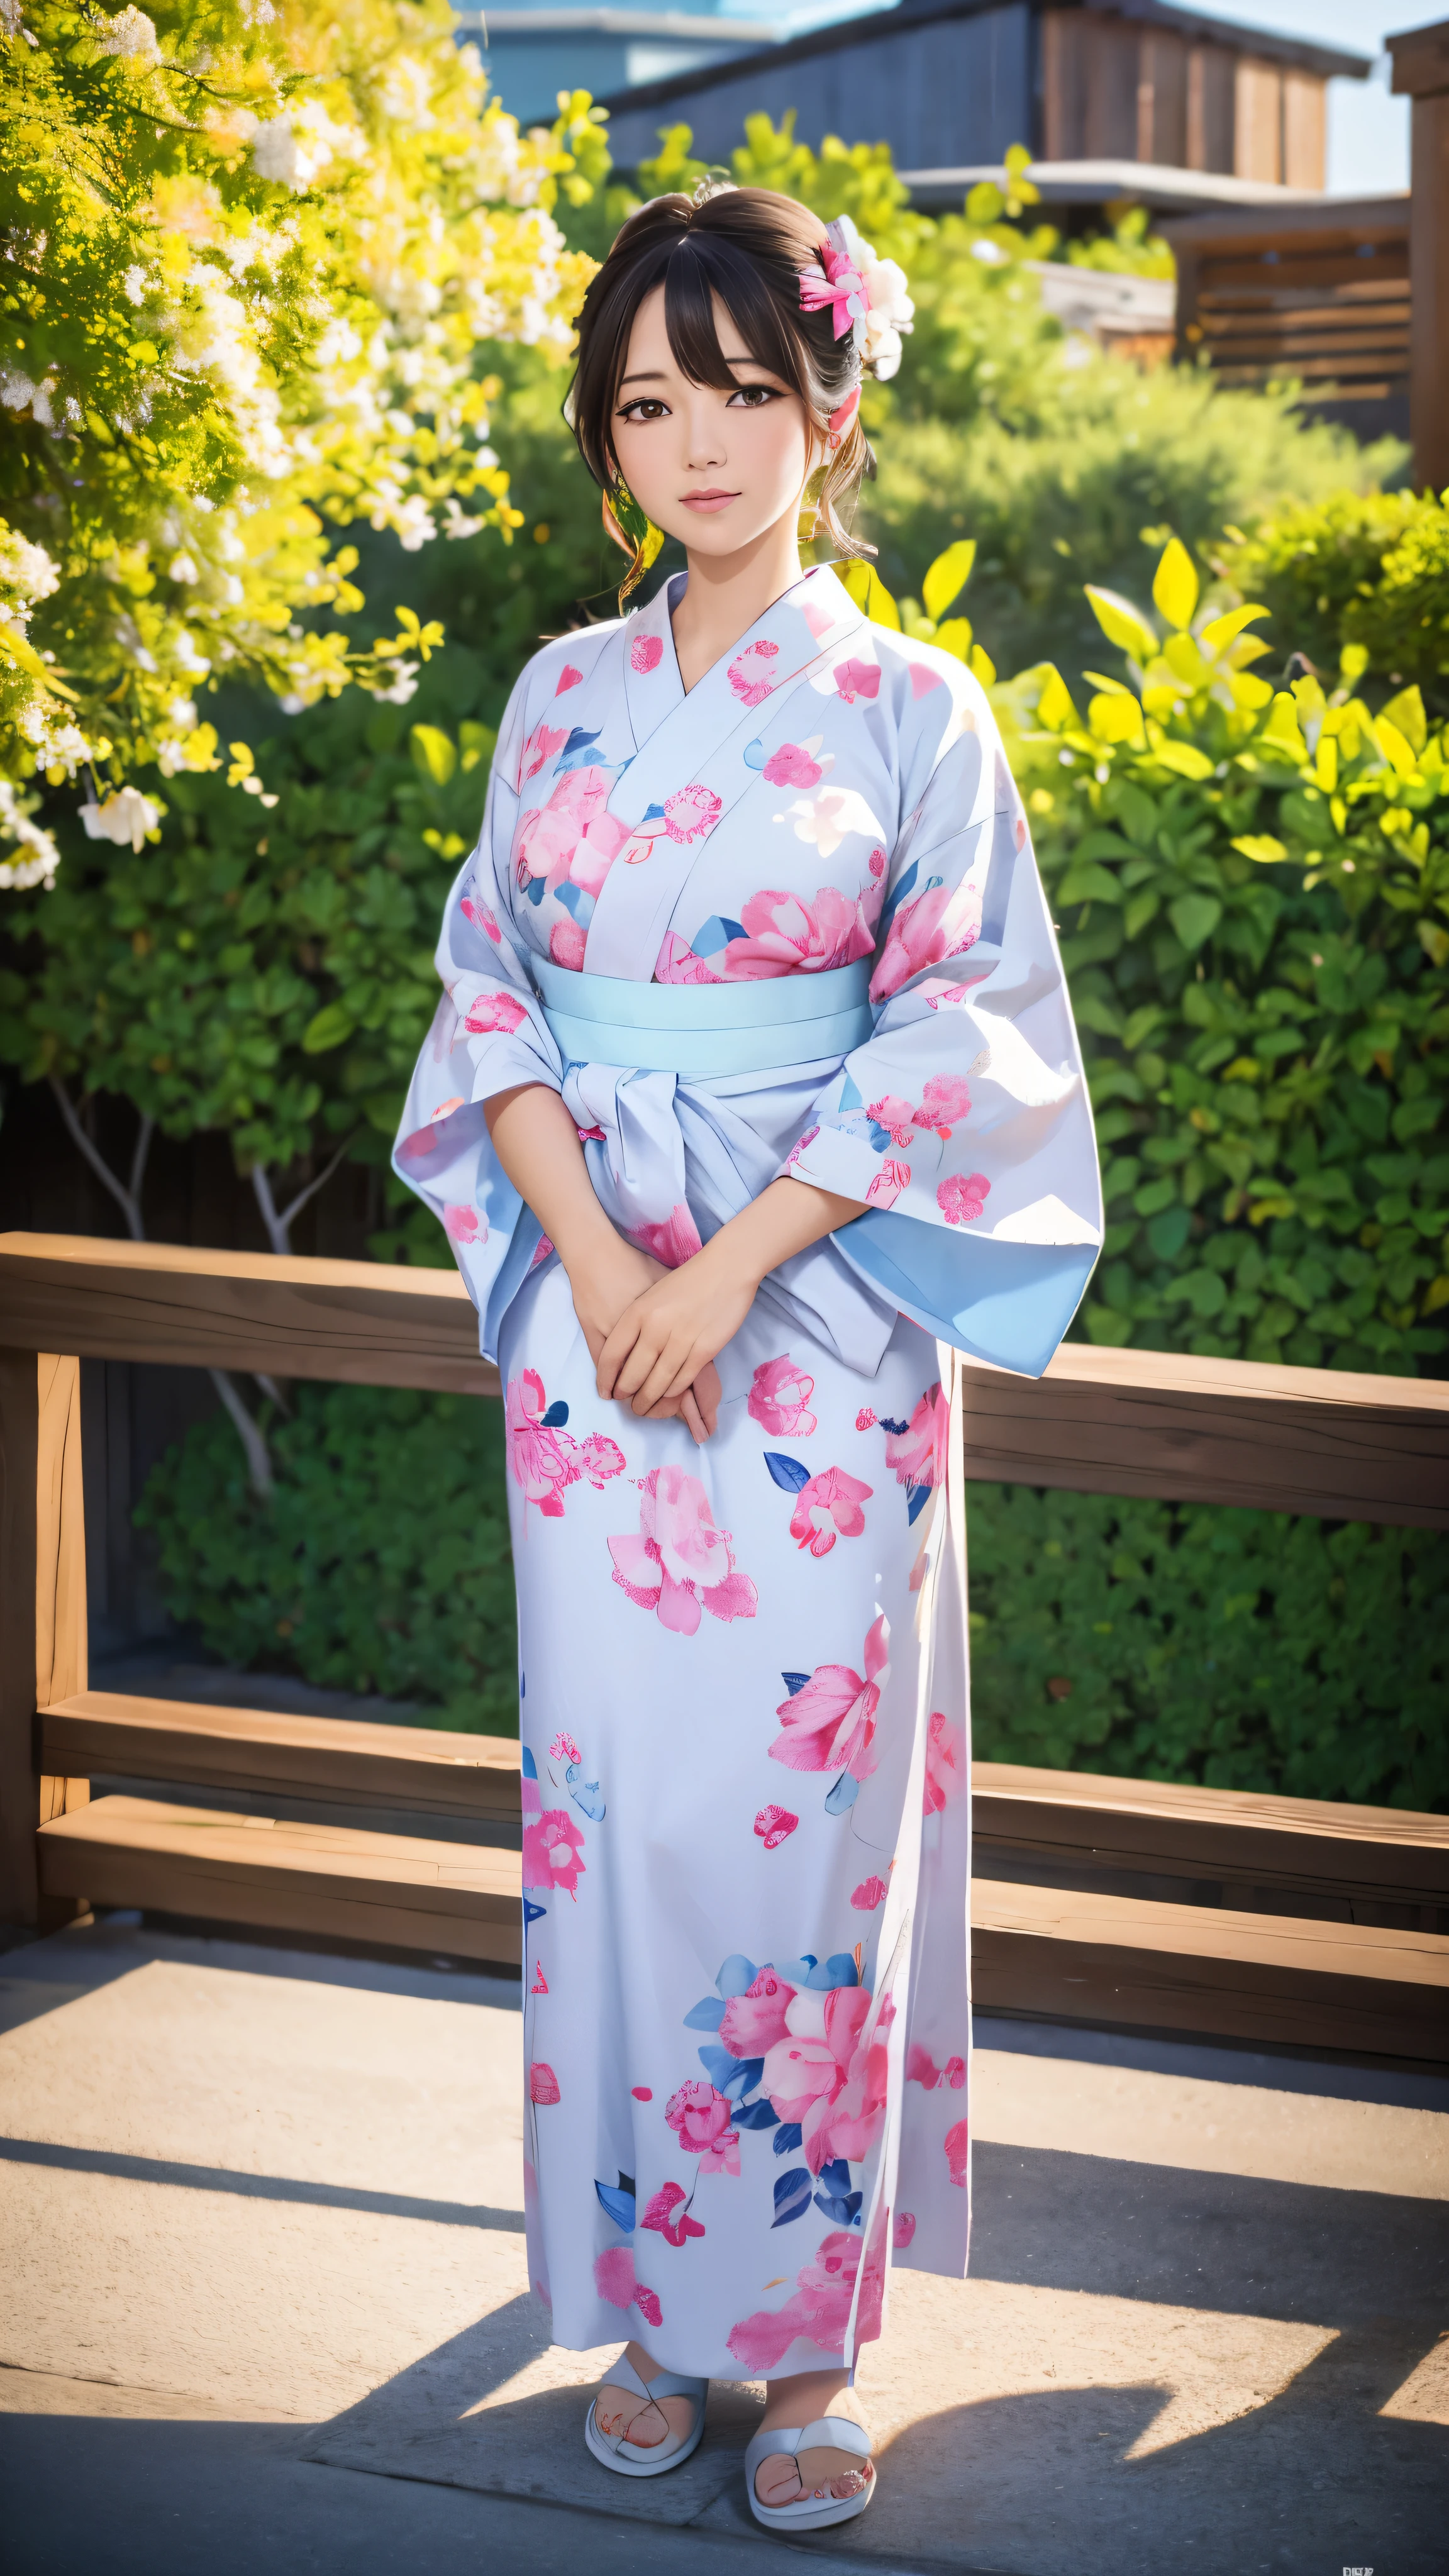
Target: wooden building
(951,83)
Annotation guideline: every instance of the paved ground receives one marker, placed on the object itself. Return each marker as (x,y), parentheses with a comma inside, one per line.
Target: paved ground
(263,2306)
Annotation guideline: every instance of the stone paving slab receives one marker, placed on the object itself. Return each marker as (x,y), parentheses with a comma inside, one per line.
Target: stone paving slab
(1206,2323)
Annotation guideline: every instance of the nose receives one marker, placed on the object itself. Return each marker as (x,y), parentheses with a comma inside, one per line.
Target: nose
(704,438)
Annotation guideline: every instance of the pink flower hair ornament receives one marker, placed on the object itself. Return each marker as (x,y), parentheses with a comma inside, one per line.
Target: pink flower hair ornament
(865,296)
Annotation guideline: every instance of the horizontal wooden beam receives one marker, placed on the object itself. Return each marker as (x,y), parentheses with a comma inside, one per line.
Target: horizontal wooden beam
(429,1771)
(1303,1847)
(1274,1979)
(1299,1846)
(1110,1422)
(388,1891)
(360,1323)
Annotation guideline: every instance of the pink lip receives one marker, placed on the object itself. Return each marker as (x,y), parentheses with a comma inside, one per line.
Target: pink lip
(709,500)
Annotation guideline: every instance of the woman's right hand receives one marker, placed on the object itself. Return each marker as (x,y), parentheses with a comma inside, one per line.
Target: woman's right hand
(604,1280)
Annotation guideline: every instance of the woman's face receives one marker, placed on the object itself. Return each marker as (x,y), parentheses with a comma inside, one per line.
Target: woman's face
(715,469)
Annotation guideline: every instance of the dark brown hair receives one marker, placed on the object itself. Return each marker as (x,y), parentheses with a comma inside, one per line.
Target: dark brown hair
(748,247)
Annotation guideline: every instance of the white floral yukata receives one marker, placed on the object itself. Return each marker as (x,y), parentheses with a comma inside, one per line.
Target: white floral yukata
(746,1822)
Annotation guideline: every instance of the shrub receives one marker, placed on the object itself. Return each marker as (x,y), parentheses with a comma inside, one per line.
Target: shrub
(1240,1649)
(1366,568)
(1253,889)
(380,1562)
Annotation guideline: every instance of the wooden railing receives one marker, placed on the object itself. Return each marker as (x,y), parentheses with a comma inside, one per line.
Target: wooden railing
(1280,1920)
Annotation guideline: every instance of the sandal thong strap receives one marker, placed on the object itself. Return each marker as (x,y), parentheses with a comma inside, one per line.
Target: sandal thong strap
(665,2383)
(827,2432)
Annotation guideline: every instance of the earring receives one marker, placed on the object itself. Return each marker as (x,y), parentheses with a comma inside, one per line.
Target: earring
(631,529)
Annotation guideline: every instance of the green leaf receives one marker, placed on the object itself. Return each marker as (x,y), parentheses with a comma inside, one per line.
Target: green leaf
(435,753)
(1175,584)
(1089,884)
(332,1026)
(1121,623)
(948,576)
(1194,917)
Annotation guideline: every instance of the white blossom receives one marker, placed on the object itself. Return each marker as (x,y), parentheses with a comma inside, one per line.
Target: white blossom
(125,816)
(44,858)
(16,391)
(132,34)
(404,686)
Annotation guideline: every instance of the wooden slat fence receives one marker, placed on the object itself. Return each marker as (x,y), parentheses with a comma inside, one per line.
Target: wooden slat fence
(1316,1925)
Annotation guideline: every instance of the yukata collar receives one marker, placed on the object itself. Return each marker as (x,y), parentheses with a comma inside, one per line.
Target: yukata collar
(816,612)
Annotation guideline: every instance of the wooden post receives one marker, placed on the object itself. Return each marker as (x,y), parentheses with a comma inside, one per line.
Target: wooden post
(42,1608)
(1421,72)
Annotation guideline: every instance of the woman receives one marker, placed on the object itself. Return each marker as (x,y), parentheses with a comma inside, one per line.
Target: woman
(755,1079)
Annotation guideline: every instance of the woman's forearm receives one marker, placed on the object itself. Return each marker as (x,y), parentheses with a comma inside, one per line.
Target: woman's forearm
(538,1146)
(785,1219)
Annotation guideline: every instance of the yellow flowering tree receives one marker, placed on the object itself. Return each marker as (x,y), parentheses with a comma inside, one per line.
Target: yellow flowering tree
(249,249)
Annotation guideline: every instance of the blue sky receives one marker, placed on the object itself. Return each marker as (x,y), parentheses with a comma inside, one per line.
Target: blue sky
(1368,131)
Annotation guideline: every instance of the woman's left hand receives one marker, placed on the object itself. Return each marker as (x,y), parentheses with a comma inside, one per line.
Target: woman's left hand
(669,1335)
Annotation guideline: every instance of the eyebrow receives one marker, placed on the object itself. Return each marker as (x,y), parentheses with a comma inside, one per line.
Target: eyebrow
(655,375)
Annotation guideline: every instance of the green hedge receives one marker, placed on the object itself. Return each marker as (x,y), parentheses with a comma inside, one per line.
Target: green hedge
(1236,1648)
(1241,1649)
(380,1563)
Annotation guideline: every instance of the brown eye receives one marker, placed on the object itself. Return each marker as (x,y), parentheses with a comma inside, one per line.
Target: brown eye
(645,409)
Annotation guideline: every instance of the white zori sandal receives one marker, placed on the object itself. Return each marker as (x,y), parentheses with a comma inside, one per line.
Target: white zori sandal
(630,2458)
(810,2512)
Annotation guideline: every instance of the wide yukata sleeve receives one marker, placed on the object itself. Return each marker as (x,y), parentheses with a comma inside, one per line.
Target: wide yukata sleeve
(488,1035)
(964,1122)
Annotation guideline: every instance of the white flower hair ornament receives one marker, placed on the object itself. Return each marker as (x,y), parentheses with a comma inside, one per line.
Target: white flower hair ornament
(869,299)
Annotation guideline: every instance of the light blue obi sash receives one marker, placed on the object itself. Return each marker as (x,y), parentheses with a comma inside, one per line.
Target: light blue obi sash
(698,1030)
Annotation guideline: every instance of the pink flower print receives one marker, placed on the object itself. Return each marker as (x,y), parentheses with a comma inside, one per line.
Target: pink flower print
(724,2156)
(572,837)
(749,673)
(780,1393)
(921,2067)
(494,1011)
(896,1116)
(566,945)
(690,813)
(955,2072)
(945,1763)
(855,679)
(795,1155)
(887,1185)
(646,652)
(542,1251)
(542,2082)
(944,1102)
(829,1505)
(792,766)
(668,2217)
(642,2092)
(465,1225)
(677,963)
(917,1455)
(818,2309)
(962,1198)
(943,922)
(698,2115)
(568,678)
(830,1722)
(481,918)
(553,1851)
(848,2121)
(679,1559)
(870,1893)
(877,863)
(818,617)
(924,678)
(542,1457)
(614,2278)
(755,2020)
(865,1420)
(541,745)
(905,2229)
(950,994)
(785,935)
(958,2154)
(593,1135)
(774,1825)
(674,1242)
(564,1749)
